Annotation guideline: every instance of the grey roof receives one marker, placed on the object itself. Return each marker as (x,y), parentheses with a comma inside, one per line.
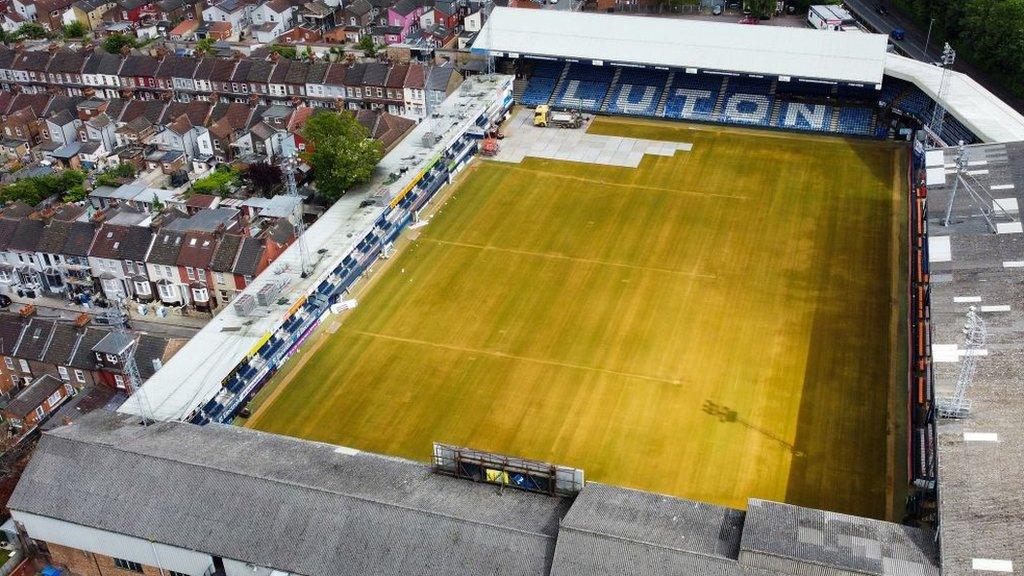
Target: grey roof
(979,482)
(614,531)
(249,255)
(232,492)
(113,343)
(32,397)
(808,539)
(165,249)
(35,339)
(207,220)
(345,513)
(438,77)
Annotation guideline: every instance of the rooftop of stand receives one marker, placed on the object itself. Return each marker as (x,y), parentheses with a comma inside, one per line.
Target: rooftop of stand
(707,46)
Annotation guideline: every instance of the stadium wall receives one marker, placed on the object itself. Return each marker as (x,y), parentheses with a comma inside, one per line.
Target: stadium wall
(254,371)
(922,441)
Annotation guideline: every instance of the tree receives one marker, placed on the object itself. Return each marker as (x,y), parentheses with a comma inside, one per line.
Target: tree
(114,175)
(204,46)
(367,46)
(760,8)
(343,154)
(75,193)
(219,182)
(263,177)
(74,30)
(116,43)
(32,30)
(158,206)
(34,190)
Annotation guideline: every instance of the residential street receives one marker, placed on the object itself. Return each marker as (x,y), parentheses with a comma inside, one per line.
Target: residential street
(170,327)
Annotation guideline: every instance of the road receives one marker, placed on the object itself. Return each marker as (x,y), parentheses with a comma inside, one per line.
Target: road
(914,43)
(165,329)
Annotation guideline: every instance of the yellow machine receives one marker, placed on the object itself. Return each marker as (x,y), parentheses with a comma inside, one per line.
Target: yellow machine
(544,116)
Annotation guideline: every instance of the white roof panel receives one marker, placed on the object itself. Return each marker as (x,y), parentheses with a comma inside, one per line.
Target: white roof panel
(767,50)
(979,110)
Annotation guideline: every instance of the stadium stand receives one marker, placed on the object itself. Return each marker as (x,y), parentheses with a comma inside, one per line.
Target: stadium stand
(584,87)
(822,107)
(638,92)
(693,96)
(855,120)
(543,79)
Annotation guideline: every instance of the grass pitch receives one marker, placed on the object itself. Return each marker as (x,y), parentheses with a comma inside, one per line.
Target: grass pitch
(716,325)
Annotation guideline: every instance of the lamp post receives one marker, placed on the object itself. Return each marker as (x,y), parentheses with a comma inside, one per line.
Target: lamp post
(928,38)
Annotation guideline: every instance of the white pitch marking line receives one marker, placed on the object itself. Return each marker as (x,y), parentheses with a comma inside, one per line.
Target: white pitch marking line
(978,352)
(1013,264)
(996,308)
(981,437)
(1001,187)
(966,299)
(977,172)
(977,162)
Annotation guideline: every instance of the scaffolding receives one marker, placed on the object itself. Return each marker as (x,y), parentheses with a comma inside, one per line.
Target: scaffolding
(958,405)
(986,205)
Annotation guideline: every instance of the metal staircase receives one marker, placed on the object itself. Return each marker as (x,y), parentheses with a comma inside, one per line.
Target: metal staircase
(558,85)
(611,88)
(660,112)
(716,112)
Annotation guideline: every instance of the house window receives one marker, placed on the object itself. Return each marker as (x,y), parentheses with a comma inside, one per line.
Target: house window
(80,376)
(4,276)
(40,412)
(53,399)
(119,381)
(63,371)
(167,292)
(131,266)
(201,294)
(219,277)
(191,272)
(128,565)
(111,358)
(10,363)
(24,365)
(248,280)
(142,288)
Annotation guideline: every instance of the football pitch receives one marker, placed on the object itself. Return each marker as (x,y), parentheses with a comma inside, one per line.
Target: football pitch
(717,325)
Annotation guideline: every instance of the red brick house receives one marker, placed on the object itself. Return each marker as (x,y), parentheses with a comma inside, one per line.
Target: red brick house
(35,403)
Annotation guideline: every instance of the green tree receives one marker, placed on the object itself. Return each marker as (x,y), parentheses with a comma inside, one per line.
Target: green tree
(74,30)
(204,46)
(34,190)
(75,193)
(219,182)
(367,46)
(343,154)
(158,206)
(760,8)
(116,43)
(32,30)
(113,176)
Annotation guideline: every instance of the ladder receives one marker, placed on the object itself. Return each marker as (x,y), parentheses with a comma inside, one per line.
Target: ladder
(665,93)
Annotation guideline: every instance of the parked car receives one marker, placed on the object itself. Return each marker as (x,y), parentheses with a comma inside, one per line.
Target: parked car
(717,10)
(5,301)
(898,34)
(881,9)
(750,20)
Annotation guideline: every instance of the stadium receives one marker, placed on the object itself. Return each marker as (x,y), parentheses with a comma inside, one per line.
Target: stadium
(718,289)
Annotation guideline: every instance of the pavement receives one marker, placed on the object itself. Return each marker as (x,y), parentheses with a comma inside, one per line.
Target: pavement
(523,139)
(173,326)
